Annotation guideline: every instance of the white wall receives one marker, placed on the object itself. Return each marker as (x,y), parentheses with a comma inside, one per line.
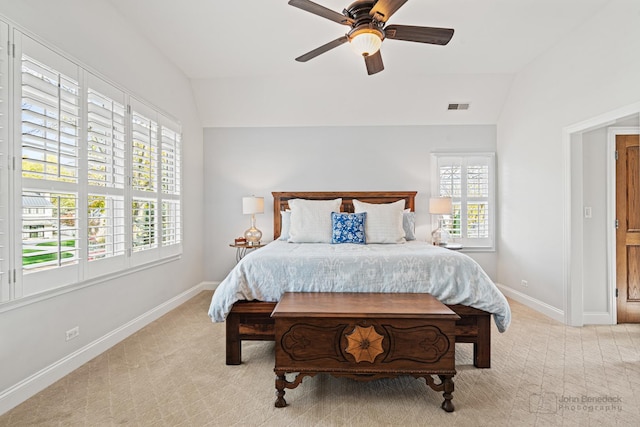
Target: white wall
(350,99)
(593,71)
(32,336)
(245,161)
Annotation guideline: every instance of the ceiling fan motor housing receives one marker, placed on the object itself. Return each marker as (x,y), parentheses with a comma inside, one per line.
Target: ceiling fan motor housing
(364,22)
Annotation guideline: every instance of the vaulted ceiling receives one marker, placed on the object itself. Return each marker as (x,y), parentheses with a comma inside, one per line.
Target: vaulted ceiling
(257,40)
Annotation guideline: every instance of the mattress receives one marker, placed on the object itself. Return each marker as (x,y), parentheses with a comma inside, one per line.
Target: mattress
(416,267)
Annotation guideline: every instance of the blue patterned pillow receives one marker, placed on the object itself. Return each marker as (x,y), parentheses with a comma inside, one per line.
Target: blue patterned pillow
(348,227)
(409,225)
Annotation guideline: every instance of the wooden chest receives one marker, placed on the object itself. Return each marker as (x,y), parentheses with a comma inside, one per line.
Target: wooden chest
(364,336)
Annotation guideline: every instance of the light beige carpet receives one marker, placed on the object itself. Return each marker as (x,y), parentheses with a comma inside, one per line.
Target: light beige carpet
(172,373)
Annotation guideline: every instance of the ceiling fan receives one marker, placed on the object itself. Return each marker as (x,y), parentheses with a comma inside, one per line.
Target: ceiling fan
(367,19)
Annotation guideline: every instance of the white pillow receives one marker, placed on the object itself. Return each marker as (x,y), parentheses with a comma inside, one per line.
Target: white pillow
(311,220)
(384,221)
(285,224)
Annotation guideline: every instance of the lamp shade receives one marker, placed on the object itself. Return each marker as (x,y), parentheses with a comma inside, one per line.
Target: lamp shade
(440,205)
(252,205)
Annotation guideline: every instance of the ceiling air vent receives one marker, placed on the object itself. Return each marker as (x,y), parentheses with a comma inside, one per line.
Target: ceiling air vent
(458,107)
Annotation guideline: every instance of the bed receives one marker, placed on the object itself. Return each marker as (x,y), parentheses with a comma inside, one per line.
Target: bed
(248,295)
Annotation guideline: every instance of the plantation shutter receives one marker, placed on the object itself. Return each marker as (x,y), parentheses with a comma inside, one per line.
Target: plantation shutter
(145,150)
(49,145)
(170,164)
(90,178)
(145,209)
(106,172)
(5,291)
(105,135)
(50,120)
(469,179)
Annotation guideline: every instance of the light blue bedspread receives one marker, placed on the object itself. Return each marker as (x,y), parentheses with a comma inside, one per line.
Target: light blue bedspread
(417,267)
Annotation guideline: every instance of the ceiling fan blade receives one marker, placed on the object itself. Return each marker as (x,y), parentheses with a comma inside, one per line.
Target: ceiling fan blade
(316,9)
(322,49)
(385,8)
(374,63)
(410,33)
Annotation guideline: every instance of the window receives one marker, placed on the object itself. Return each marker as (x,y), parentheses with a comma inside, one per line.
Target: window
(156,185)
(95,174)
(469,179)
(50,236)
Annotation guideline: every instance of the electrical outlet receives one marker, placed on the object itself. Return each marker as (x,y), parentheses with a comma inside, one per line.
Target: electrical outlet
(73,333)
(524,283)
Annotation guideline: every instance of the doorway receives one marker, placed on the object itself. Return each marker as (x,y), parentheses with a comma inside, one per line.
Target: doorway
(575,239)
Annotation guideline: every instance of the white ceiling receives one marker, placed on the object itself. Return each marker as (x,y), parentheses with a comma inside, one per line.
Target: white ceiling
(259,39)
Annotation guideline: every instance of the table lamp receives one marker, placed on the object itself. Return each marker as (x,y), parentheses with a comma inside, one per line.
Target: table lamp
(440,206)
(253,205)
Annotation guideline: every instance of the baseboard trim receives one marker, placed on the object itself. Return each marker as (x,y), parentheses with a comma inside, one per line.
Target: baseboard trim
(209,286)
(597,318)
(18,393)
(533,303)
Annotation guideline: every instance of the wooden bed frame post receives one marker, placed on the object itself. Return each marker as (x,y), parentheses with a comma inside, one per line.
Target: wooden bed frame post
(482,347)
(234,344)
(248,321)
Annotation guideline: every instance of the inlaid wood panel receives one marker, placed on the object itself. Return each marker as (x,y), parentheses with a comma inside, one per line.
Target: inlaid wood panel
(633,188)
(633,273)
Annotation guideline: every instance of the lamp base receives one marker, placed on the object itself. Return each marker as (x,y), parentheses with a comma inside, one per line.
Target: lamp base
(440,237)
(253,236)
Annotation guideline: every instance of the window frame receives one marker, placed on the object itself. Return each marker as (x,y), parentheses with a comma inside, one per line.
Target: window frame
(18,285)
(465,160)
(5,175)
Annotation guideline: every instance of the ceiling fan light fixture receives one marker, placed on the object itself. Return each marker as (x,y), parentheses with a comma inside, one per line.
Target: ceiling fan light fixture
(366,42)
(367,21)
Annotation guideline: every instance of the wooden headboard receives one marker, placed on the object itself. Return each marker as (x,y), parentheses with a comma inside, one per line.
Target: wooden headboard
(281,200)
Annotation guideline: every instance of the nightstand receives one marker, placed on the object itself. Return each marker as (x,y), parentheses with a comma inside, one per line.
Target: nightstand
(243,248)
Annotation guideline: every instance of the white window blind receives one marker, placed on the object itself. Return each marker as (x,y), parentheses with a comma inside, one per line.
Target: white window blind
(469,179)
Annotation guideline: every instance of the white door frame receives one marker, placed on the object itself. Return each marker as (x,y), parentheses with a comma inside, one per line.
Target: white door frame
(572,216)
